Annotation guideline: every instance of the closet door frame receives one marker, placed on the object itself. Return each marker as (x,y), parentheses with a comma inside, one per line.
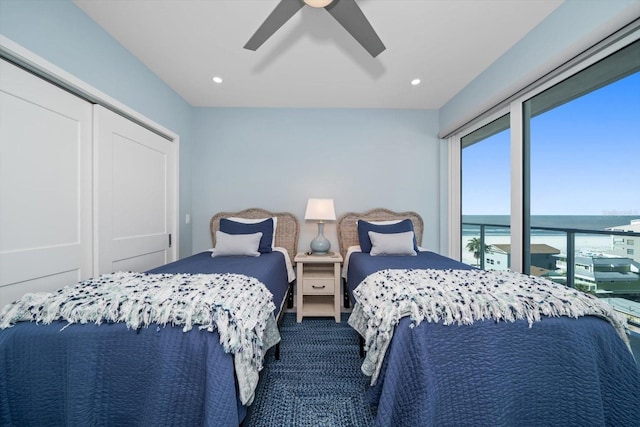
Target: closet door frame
(54,74)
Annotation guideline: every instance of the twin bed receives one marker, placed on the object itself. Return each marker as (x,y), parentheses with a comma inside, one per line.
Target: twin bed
(451,345)
(134,371)
(446,344)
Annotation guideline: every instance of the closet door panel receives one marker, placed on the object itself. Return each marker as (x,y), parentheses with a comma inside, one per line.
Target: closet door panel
(45,185)
(134,188)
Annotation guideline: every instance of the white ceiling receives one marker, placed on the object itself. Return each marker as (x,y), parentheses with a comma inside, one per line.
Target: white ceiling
(312,61)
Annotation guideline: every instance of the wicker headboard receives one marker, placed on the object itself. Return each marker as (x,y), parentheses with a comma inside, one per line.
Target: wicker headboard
(287,230)
(348,229)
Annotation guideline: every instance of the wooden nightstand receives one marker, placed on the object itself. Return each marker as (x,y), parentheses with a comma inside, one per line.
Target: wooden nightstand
(318,285)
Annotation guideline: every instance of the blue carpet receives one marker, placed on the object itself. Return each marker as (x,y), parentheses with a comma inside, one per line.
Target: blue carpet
(316,382)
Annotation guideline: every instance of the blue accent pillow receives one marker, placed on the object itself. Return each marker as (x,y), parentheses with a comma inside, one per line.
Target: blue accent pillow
(365,227)
(265,227)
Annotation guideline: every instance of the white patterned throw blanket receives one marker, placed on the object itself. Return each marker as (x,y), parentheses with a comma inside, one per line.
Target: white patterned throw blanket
(239,307)
(460,297)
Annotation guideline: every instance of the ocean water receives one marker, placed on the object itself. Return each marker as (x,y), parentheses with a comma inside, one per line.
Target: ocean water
(581,222)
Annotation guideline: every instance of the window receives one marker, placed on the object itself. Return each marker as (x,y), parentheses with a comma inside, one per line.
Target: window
(485,160)
(576,134)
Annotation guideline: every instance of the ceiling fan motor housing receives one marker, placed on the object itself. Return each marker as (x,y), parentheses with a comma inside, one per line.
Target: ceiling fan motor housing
(318,3)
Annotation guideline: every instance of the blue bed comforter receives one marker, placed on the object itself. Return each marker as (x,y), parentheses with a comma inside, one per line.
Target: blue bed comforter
(562,371)
(110,375)
(89,375)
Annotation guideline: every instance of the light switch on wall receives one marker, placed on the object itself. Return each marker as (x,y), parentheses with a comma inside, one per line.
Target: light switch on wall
(187,219)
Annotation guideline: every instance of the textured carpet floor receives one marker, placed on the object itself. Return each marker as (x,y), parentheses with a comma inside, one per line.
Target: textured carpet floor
(316,382)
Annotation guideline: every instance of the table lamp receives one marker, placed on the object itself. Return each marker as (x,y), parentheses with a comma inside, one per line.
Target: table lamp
(320,210)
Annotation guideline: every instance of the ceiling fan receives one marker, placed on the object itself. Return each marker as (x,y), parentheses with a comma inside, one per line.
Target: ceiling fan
(346,12)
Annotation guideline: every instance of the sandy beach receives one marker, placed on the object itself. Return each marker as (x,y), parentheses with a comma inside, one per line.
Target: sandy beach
(593,243)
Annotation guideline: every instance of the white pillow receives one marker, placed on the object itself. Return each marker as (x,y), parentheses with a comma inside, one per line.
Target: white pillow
(236,244)
(392,243)
(255,221)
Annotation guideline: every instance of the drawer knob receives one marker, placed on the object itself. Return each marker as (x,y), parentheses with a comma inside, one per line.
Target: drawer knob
(318,287)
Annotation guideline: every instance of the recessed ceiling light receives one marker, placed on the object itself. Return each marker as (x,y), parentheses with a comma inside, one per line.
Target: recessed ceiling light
(415,82)
(217,79)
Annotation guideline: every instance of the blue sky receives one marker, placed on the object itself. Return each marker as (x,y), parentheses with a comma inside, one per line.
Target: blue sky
(585,159)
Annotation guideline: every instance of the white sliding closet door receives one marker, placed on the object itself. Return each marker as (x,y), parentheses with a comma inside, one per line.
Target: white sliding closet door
(135,195)
(45,185)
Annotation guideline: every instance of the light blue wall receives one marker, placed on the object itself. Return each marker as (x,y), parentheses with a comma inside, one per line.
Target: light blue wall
(572,28)
(61,33)
(278,158)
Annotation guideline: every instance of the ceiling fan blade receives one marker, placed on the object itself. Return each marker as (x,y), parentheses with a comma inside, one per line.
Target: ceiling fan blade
(350,16)
(280,15)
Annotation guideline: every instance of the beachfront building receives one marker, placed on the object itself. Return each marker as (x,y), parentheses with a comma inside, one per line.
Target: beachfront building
(603,273)
(543,258)
(627,246)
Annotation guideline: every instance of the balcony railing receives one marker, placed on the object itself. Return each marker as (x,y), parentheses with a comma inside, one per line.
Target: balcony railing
(570,233)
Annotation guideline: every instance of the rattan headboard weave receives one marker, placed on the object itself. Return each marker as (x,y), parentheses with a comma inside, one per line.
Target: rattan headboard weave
(287,230)
(348,229)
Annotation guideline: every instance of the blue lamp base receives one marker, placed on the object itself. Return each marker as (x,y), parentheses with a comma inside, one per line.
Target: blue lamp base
(320,245)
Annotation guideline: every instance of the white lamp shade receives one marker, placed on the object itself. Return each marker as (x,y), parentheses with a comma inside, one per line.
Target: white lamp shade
(320,210)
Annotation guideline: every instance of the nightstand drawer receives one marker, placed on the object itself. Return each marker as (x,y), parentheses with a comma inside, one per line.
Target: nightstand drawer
(318,286)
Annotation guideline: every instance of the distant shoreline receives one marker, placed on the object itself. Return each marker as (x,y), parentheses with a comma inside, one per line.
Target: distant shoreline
(587,222)
(580,222)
